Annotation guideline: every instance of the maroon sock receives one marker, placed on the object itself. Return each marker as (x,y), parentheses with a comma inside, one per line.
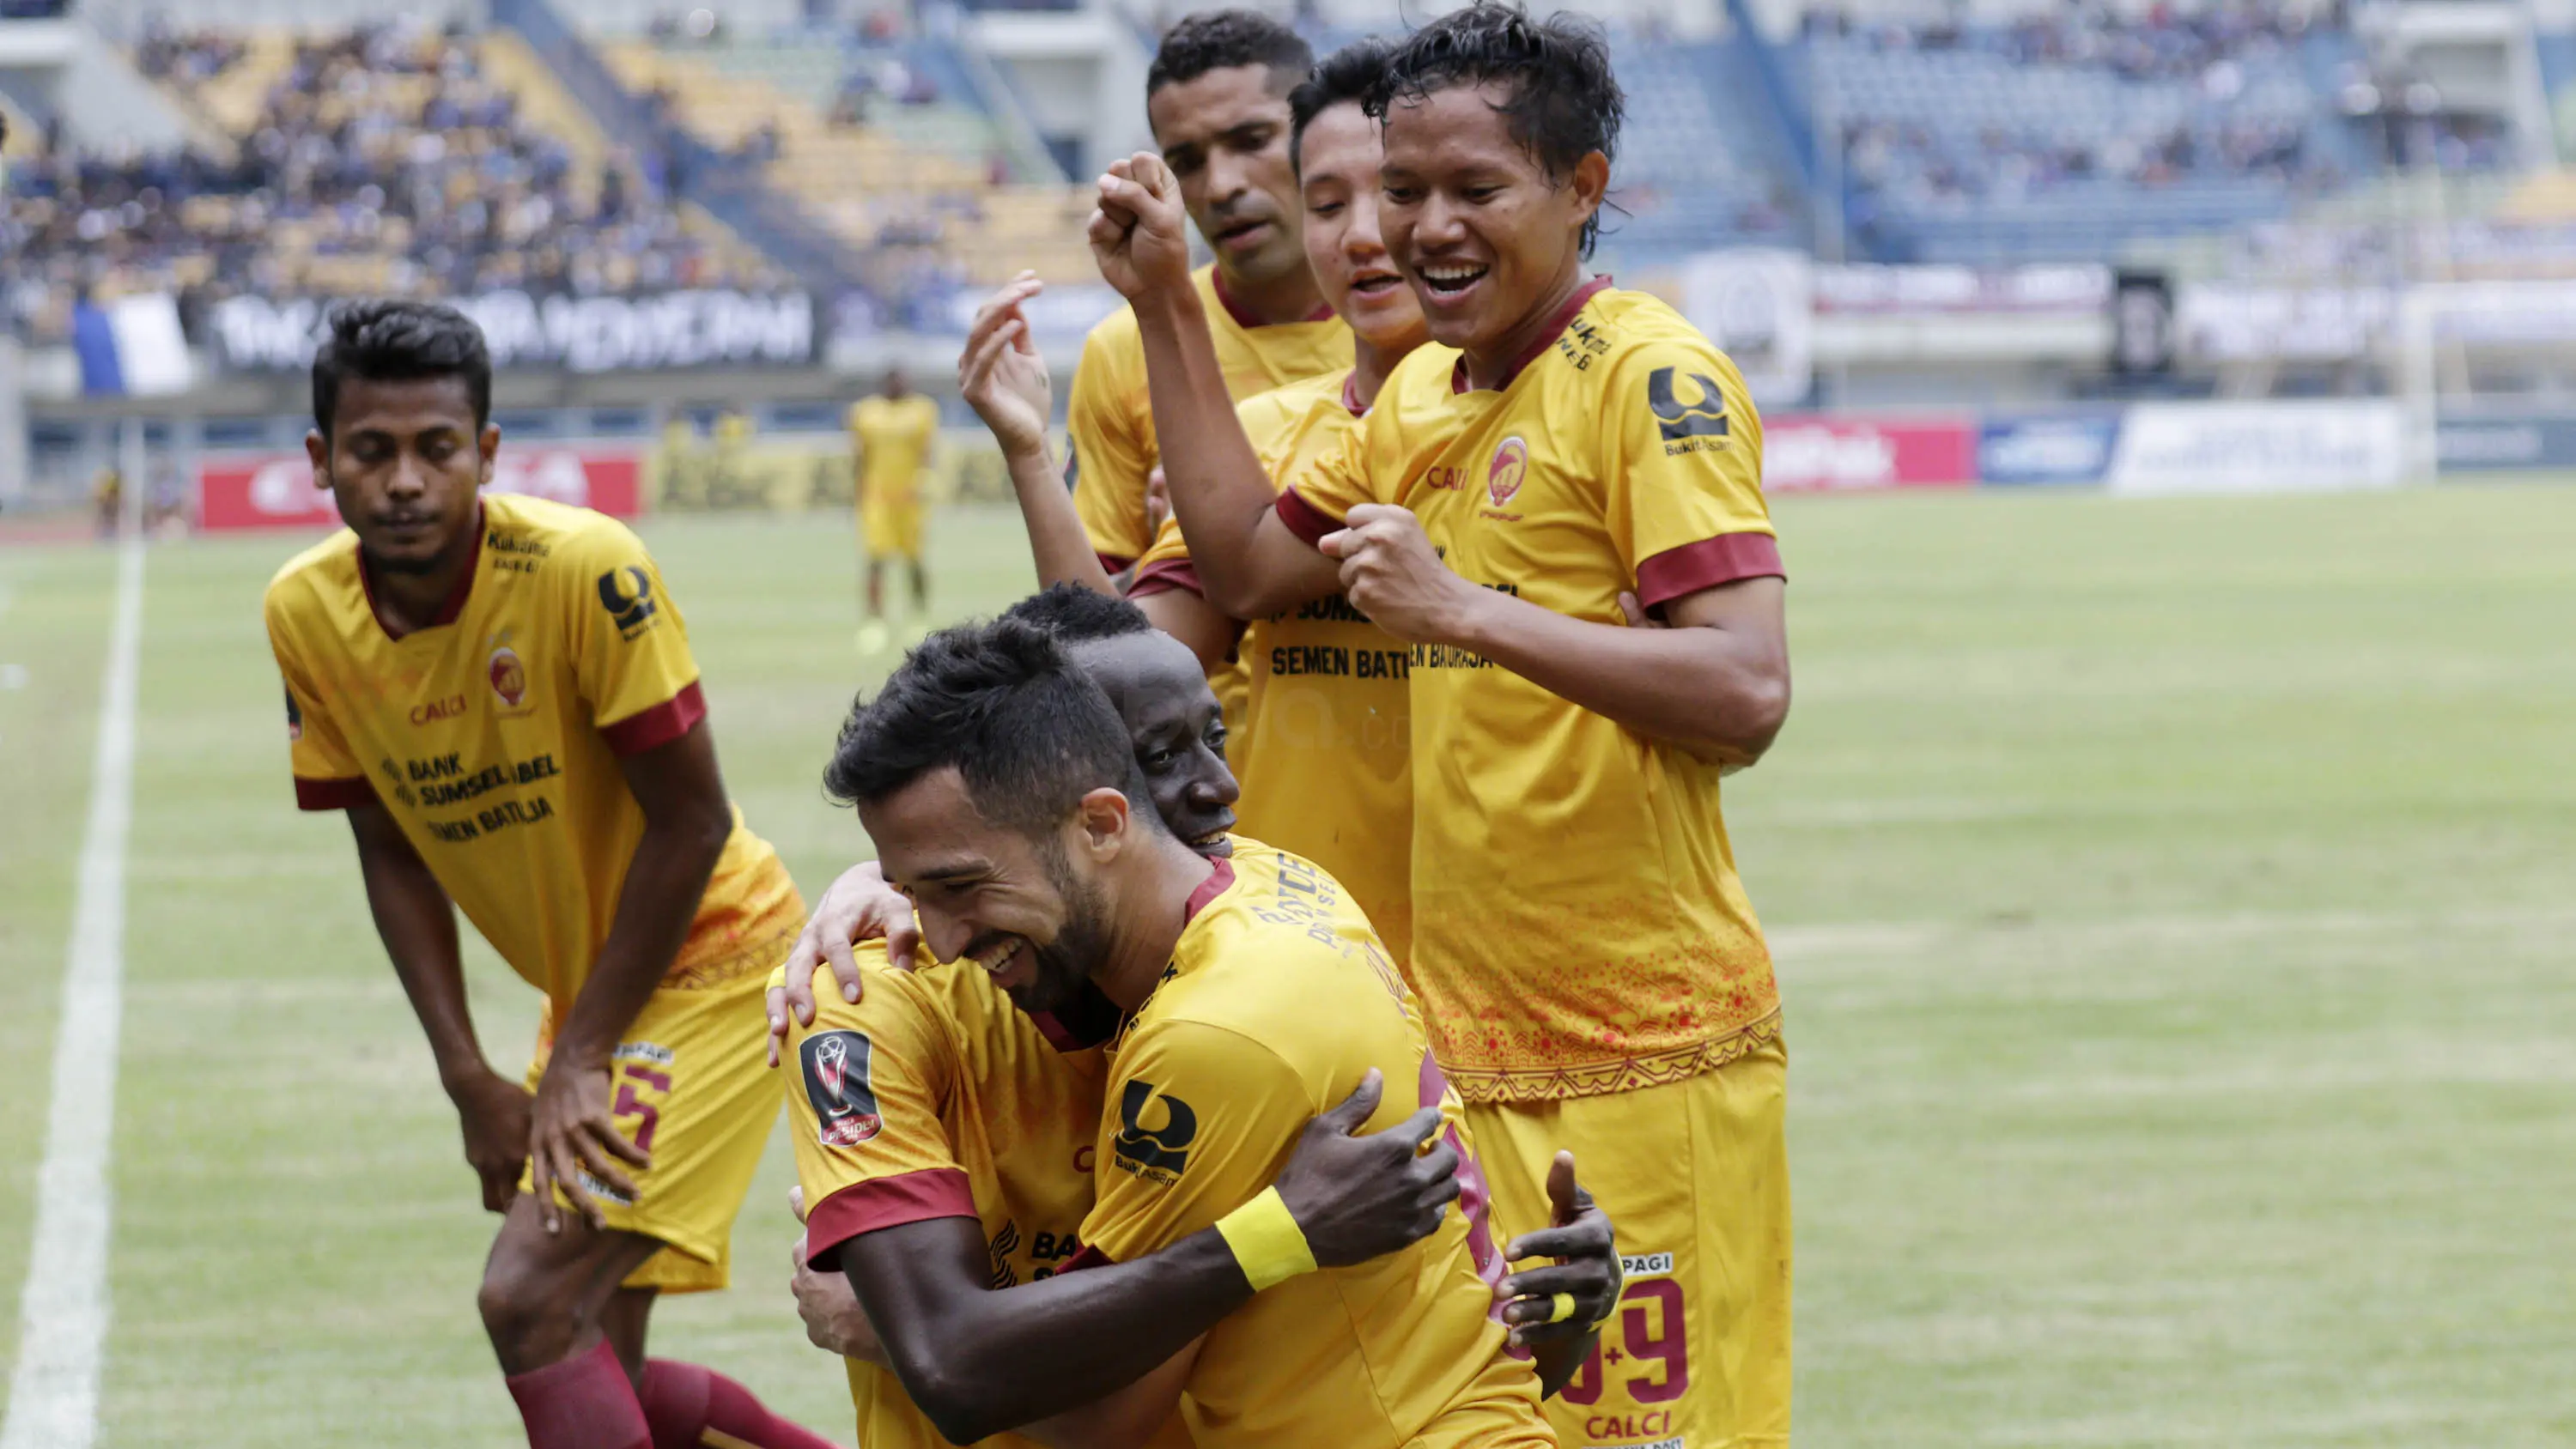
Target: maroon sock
(584,1402)
(685,1403)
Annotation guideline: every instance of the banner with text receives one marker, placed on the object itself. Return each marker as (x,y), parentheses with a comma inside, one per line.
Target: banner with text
(2047,447)
(698,328)
(2260,447)
(1827,453)
(276,490)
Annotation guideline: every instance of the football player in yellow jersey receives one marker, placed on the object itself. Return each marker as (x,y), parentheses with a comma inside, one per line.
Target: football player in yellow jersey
(1012,1125)
(1596,976)
(1330,782)
(499,693)
(995,779)
(891,436)
(1216,97)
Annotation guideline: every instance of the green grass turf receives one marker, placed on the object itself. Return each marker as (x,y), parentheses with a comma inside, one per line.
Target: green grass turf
(2171,901)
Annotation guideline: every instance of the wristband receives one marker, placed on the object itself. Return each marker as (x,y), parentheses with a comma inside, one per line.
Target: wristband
(1268,1245)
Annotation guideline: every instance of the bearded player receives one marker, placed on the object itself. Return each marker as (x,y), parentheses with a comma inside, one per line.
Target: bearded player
(499,693)
(1596,976)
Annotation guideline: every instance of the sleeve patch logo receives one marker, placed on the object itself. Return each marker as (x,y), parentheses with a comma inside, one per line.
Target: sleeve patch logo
(1156,1154)
(627,594)
(294,718)
(1703,418)
(836,1083)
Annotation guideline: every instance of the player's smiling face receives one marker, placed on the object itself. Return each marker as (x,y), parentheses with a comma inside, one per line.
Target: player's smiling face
(403,463)
(1338,161)
(1488,238)
(1225,136)
(1162,694)
(990,896)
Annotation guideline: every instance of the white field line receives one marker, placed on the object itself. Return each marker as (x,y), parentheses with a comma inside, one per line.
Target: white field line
(62,1317)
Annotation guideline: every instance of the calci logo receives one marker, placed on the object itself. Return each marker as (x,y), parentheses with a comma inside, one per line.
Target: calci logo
(1504,475)
(835,1066)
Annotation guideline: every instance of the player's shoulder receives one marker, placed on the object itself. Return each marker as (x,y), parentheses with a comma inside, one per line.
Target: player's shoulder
(1633,333)
(542,528)
(1290,403)
(910,1006)
(1266,944)
(314,575)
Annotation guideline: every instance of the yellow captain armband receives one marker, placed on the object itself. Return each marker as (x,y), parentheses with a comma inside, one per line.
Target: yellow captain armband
(1268,1245)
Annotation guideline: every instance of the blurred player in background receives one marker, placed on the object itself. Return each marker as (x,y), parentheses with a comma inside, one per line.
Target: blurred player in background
(1323,744)
(1596,975)
(891,435)
(499,693)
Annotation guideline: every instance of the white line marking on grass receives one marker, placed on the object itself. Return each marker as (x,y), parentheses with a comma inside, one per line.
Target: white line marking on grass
(62,1317)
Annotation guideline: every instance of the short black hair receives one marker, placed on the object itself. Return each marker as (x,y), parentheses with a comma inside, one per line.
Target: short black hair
(388,340)
(1348,74)
(1076,615)
(1207,40)
(1027,730)
(1565,99)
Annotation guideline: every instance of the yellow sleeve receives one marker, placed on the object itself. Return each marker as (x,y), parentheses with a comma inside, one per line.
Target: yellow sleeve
(328,774)
(1198,1121)
(1337,480)
(1112,451)
(631,648)
(1682,478)
(865,1086)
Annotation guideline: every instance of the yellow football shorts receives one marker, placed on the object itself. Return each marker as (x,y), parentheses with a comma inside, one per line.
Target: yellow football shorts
(1695,1174)
(691,1085)
(891,529)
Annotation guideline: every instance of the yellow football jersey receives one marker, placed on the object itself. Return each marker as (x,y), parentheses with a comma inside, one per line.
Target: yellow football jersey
(894,437)
(1278,998)
(492,735)
(1324,754)
(1111,420)
(933,1097)
(1577,922)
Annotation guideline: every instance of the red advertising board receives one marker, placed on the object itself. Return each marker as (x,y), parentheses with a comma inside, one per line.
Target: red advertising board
(276,490)
(1830,453)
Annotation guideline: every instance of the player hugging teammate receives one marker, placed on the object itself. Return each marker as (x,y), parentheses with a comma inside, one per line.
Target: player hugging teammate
(1119,1121)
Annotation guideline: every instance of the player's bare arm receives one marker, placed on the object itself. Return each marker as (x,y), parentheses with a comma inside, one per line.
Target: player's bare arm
(417,923)
(1716,684)
(1248,561)
(1005,380)
(686,822)
(962,1348)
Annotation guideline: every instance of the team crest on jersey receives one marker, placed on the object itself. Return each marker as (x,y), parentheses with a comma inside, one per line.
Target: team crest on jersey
(1503,476)
(509,677)
(627,594)
(1703,417)
(836,1083)
(1156,1154)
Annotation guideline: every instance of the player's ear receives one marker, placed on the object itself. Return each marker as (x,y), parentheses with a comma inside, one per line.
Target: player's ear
(1106,819)
(489,445)
(1591,183)
(318,449)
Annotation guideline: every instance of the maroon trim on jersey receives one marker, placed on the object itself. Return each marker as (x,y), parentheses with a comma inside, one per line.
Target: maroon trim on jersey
(1089,1257)
(887,1202)
(1209,889)
(1304,519)
(1164,575)
(1706,564)
(659,725)
(311,794)
(451,608)
(1243,316)
(1556,326)
(1351,394)
(1111,564)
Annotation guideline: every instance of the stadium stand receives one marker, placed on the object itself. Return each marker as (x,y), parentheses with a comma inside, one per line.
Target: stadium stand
(381,159)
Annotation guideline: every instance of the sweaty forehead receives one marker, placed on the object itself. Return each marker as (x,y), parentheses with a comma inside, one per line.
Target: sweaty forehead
(1453,126)
(1195,111)
(1149,676)
(403,405)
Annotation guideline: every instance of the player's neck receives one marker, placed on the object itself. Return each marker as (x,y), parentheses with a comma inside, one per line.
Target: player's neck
(1141,947)
(1493,366)
(1292,297)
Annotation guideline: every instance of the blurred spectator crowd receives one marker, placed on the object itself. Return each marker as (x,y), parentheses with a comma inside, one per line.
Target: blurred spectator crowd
(381,159)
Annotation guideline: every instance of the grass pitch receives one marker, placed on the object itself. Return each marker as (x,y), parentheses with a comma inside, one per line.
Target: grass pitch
(2171,898)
